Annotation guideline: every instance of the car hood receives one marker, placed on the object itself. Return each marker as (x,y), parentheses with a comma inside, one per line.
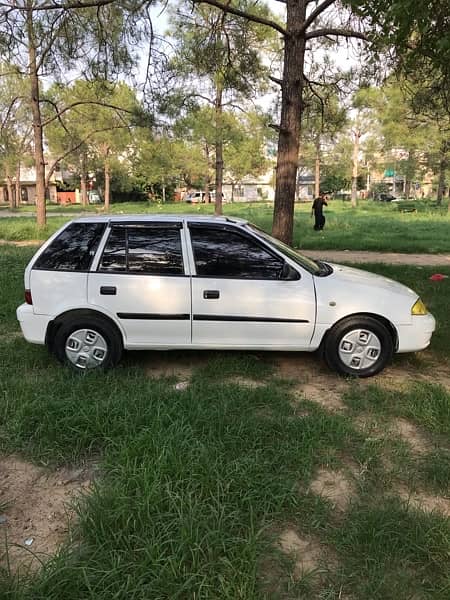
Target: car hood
(350,276)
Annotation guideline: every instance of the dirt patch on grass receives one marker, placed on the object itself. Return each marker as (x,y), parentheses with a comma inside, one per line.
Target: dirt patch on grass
(312,380)
(35,510)
(426,502)
(22,242)
(421,367)
(306,552)
(335,486)
(320,393)
(370,425)
(245,382)
(158,364)
(410,433)
(311,377)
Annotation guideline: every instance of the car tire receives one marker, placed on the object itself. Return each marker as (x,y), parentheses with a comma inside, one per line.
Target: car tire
(87,343)
(358,347)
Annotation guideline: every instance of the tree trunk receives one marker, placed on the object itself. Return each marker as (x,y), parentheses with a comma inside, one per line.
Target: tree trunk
(18,198)
(317,170)
(83,182)
(291,112)
(207,198)
(219,149)
(357,136)
(41,217)
(9,188)
(407,188)
(107,184)
(443,164)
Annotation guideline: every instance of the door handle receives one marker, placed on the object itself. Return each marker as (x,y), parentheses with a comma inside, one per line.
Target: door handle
(211,294)
(108,290)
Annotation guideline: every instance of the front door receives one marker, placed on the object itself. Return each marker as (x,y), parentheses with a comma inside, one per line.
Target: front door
(141,280)
(239,296)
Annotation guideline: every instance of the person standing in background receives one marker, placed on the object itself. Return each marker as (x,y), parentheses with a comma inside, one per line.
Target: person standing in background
(317,210)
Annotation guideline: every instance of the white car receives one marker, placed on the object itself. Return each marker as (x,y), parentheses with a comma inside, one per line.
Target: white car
(195,197)
(103,284)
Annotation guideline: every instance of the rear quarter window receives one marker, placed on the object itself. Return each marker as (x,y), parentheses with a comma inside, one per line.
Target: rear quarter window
(73,249)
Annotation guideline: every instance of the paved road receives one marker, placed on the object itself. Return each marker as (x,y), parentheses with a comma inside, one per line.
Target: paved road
(363,256)
(6,214)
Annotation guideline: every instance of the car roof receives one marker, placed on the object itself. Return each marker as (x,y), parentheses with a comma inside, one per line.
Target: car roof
(158,218)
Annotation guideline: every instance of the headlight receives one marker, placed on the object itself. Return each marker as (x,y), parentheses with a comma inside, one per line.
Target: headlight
(419,308)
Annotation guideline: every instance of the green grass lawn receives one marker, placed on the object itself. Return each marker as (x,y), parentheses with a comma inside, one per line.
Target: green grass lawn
(197,485)
(372,226)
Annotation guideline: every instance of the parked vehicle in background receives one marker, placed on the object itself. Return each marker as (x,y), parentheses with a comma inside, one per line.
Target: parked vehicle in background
(384,197)
(94,197)
(103,284)
(195,197)
(200,197)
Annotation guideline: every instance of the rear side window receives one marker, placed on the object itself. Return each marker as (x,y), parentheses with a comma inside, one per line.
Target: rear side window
(73,249)
(154,250)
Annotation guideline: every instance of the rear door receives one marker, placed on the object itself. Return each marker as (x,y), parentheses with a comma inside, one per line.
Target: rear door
(239,295)
(58,276)
(141,280)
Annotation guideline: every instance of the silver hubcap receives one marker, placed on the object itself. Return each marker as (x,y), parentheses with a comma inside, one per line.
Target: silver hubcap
(86,348)
(359,349)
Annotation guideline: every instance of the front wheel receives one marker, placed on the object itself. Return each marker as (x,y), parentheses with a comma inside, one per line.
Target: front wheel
(87,343)
(359,346)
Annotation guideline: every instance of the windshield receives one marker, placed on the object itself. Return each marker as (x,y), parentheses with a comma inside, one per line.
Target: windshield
(314,267)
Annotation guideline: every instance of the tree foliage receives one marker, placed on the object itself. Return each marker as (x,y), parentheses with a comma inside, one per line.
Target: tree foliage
(54,38)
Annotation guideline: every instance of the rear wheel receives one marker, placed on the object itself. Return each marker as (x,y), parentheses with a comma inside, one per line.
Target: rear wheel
(359,346)
(87,343)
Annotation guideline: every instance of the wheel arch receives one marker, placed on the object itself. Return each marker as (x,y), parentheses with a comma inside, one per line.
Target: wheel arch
(57,322)
(383,320)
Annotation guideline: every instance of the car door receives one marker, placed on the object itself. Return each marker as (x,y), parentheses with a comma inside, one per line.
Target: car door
(239,296)
(141,280)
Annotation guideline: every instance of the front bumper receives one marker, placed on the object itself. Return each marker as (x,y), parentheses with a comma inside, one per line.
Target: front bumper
(417,335)
(34,327)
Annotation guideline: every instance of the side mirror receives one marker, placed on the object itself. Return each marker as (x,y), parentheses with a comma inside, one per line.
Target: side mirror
(288,273)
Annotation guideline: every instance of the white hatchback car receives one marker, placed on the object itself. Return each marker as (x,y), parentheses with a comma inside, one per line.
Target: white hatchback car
(102,284)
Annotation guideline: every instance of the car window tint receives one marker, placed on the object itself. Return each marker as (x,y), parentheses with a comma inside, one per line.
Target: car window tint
(155,251)
(149,250)
(225,253)
(114,254)
(73,249)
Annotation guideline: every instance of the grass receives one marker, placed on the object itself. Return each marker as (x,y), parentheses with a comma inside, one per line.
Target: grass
(372,226)
(196,484)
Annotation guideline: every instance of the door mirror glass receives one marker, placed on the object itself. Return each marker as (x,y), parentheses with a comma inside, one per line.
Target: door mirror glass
(288,273)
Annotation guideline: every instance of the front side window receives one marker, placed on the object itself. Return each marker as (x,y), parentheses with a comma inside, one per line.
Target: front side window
(310,265)
(227,253)
(73,249)
(154,250)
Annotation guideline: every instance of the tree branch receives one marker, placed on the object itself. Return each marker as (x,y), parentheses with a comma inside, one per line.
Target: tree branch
(9,110)
(57,5)
(276,80)
(245,15)
(75,147)
(315,13)
(337,32)
(55,31)
(80,103)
